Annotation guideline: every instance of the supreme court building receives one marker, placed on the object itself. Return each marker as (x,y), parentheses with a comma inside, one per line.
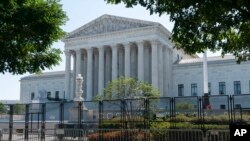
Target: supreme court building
(112,46)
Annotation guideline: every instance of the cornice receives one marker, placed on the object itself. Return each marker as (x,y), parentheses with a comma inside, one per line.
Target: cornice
(131,35)
(107,35)
(43,77)
(210,64)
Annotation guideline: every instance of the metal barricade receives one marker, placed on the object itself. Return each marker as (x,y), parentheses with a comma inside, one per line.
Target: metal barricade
(218,135)
(185,135)
(1,135)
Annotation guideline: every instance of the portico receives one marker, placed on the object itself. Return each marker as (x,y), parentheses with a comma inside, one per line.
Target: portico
(111,46)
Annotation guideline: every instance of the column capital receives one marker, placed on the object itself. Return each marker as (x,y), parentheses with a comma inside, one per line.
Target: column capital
(155,42)
(140,43)
(128,44)
(114,46)
(78,51)
(161,46)
(127,47)
(89,50)
(67,52)
(101,48)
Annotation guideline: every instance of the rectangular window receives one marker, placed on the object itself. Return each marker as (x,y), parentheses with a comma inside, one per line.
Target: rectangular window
(209,88)
(48,94)
(222,88)
(237,87)
(32,96)
(180,90)
(57,95)
(222,107)
(194,89)
(237,106)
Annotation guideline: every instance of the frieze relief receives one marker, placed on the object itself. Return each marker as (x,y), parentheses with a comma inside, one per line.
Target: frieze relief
(108,25)
(137,32)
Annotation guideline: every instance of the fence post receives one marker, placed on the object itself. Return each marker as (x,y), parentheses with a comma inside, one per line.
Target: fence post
(146,119)
(146,114)
(100,114)
(100,119)
(205,136)
(26,132)
(123,114)
(200,113)
(43,121)
(1,135)
(172,114)
(11,121)
(79,115)
(61,120)
(231,108)
(203,112)
(61,115)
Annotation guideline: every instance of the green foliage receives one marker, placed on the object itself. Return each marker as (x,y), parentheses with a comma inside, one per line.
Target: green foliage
(184,106)
(199,25)
(117,135)
(19,109)
(132,91)
(3,109)
(159,125)
(27,30)
(127,88)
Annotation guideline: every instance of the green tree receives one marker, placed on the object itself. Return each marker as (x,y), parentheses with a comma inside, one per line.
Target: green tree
(127,88)
(3,109)
(19,109)
(205,24)
(27,30)
(133,106)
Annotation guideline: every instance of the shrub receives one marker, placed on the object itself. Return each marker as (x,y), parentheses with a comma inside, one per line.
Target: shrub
(184,106)
(117,135)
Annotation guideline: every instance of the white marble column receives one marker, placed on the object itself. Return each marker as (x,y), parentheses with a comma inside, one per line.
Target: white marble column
(114,62)
(101,71)
(89,73)
(140,60)
(170,71)
(67,73)
(127,59)
(74,77)
(165,72)
(160,68)
(108,65)
(154,64)
(84,72)
(78,61)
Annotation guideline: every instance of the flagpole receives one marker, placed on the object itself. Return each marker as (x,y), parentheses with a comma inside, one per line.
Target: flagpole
(205,75)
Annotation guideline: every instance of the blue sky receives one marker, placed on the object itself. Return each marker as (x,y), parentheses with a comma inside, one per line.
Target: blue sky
(79,13)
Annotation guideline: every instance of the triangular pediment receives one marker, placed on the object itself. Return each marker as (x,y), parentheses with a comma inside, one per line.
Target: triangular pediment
(108,23)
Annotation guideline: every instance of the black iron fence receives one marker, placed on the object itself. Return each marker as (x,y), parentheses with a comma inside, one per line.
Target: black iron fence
(204,113)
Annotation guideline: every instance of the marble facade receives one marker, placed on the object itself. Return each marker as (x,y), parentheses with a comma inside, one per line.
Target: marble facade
(112,46)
